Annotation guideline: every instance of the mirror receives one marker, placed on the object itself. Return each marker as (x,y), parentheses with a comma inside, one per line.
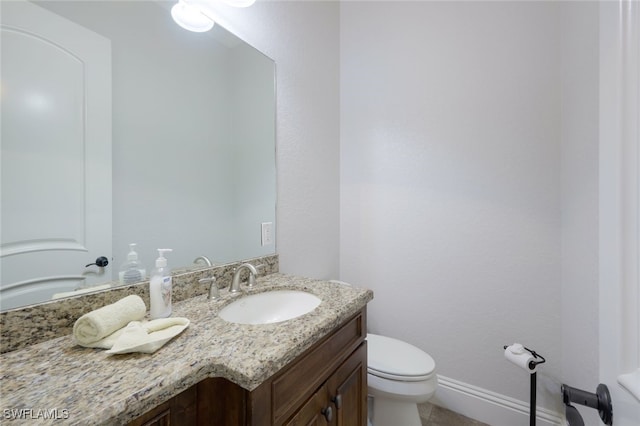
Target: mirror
(192,149)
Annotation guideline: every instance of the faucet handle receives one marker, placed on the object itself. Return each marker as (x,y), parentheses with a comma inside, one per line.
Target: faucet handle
(214,291)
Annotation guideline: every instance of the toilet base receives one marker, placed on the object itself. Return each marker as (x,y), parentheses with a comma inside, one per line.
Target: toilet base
(388,412)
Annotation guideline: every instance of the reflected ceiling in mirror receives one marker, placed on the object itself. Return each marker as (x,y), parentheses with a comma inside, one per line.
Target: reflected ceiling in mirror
(192,134)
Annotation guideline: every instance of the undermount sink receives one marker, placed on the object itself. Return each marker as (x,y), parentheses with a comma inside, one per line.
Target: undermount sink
(270,307)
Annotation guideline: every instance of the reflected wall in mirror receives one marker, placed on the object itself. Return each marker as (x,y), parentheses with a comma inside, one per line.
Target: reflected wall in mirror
(192,134)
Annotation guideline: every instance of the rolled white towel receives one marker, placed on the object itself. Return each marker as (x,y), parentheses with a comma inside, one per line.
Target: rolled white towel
(94,326)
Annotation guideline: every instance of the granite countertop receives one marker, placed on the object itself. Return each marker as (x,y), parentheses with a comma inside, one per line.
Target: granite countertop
(87,386)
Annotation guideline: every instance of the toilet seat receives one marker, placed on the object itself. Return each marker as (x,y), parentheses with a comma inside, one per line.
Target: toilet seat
(394,359)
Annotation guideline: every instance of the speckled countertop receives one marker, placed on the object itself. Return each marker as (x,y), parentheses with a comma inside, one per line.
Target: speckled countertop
(87,386)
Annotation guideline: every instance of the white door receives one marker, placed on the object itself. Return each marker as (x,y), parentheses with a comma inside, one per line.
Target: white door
(55,145)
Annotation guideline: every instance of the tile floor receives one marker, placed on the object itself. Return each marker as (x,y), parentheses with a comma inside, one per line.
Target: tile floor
(432,415)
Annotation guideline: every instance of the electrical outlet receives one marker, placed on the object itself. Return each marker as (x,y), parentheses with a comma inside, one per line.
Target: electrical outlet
(267,233)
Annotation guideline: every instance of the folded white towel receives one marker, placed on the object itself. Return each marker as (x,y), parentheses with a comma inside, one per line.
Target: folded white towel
(148,337)
(92,328)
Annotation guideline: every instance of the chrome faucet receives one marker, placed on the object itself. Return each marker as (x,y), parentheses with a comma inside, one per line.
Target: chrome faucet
(205,259)
(235,282)
(214,292)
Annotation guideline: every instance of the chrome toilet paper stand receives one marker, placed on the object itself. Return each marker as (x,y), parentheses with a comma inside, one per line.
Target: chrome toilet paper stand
(538,359)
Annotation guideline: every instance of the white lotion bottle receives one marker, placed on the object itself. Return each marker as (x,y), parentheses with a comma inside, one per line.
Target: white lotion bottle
(160,288)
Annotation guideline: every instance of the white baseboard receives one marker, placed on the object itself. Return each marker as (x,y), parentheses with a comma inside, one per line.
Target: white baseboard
(489,407)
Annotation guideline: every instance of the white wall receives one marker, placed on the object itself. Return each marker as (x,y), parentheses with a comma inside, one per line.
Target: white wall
(302,37)
(580,109)
(451,181)
(619,215)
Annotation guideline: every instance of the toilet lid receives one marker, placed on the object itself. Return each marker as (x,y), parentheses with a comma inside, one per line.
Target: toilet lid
(397,360)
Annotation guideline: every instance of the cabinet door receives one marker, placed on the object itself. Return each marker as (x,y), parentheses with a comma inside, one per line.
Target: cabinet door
(348,390)
(317,411)
(179,410)
(294,385)
(162,419)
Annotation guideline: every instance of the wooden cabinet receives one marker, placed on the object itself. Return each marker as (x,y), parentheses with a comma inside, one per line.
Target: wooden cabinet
(348,390)
(342,400)
(326,385)
(181,409)
(314,412)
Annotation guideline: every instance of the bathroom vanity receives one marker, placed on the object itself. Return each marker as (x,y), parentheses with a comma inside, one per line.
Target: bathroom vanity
(308,370)
(324,385)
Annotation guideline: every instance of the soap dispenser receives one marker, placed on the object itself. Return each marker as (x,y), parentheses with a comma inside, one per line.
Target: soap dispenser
(160,287)
(132,271)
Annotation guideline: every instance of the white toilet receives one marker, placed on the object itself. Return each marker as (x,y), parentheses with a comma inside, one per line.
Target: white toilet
(400,377)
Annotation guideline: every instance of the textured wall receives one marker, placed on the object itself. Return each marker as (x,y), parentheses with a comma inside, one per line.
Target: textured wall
(580,114)
(450,191)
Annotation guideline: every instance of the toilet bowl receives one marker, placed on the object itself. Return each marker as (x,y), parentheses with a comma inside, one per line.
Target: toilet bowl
(400,377)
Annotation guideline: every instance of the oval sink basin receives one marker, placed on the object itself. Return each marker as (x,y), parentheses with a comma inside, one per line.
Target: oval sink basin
(270,307)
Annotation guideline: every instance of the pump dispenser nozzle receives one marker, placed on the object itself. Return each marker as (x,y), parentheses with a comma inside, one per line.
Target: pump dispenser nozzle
(132,252)
(161,261)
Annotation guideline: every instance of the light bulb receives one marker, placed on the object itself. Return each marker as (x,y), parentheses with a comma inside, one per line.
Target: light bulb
(240,3)
(190,18)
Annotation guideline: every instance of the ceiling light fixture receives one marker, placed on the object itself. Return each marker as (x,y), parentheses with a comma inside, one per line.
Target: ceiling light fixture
(240,3)
(190,17)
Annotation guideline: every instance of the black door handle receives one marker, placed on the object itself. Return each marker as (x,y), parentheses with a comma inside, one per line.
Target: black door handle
(101,262)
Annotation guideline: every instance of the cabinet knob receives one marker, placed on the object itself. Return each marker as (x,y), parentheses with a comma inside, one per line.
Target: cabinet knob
(337,400)
(327,413)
